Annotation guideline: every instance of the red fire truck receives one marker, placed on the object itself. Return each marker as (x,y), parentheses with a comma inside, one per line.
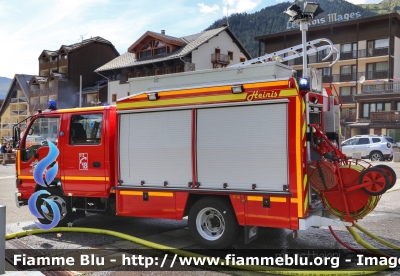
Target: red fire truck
(245,146)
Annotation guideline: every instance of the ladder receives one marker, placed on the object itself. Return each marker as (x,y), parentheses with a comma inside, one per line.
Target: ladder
(311,48)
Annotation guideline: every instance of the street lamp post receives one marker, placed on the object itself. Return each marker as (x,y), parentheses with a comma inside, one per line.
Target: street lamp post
(310,11)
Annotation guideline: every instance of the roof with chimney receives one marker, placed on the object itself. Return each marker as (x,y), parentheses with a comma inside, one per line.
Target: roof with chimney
(186,45)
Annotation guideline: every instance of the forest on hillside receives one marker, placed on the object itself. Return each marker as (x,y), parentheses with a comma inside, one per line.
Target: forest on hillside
(272,19)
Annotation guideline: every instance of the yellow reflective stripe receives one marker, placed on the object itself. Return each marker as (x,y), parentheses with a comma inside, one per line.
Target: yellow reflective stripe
(294,200)
(80,109)
(18,162)
(86,178)
(303,104)
(130,193)
(305,202)
(298,159)
(169,194)
(25,176)
(271,199)
(140,193)
(305,181)
(192,100)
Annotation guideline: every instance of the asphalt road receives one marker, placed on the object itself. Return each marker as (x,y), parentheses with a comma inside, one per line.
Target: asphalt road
(384,221)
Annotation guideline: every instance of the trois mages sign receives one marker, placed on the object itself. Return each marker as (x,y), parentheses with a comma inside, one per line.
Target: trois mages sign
(330,18)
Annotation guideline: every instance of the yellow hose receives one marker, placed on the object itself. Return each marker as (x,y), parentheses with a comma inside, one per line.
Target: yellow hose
(382,241)
(365,244)
(263,269)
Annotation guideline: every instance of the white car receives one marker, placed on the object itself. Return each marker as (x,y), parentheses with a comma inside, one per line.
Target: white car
(373,147)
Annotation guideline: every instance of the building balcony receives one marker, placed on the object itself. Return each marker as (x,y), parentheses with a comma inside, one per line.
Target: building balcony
(344,77)
(347,99)
(348,116)
(381,74)
(381,88)
(220,59)
(392,117)
(374,52)
(348,55)
(18,100)
(19,112)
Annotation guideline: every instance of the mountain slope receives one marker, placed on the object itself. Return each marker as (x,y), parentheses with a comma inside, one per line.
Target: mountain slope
(386,6)
(4,85)
(272,20)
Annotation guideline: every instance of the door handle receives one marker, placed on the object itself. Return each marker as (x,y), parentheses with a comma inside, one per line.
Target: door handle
(96,164)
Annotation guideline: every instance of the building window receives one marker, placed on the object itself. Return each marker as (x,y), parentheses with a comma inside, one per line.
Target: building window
(230,54)
(367,108)
(378,43)
(128,93)
(156,72)
(166,70)
(145,54)
(348,73)
(217,50)
(137,74)
(146,73)
(379,70)
(348,90)
(242,59)
(178,69)
(114,97)
(154,47)
(348,47)
(129,75)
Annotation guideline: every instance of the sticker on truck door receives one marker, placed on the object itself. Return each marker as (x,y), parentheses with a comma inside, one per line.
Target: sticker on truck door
(83,161)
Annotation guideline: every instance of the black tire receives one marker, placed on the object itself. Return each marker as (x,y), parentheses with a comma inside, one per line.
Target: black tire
(390,172)
(213,223)
(376,156)
(378,179)
(62,204)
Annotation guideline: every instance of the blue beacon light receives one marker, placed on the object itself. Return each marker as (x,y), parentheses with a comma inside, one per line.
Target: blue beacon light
(52,105)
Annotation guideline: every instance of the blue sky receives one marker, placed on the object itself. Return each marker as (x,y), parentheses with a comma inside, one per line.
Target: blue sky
(28,27)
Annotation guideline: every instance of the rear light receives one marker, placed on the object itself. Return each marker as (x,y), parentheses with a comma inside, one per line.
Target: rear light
(389,145)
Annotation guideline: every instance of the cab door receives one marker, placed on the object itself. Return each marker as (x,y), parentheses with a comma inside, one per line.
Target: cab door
(84,166)
(33,148)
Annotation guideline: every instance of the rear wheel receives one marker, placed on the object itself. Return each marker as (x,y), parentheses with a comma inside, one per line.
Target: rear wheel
(377,180)
(376,156)
(391,174)
(213,223)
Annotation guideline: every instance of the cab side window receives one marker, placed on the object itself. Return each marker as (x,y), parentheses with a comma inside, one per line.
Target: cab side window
(41,131)
(363,141)
(85,129)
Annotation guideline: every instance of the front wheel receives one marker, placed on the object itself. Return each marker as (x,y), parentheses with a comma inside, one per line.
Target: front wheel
(213,223)
(48,212)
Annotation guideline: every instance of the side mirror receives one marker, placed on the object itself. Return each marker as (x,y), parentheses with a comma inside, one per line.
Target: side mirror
(30,132)
(16,136)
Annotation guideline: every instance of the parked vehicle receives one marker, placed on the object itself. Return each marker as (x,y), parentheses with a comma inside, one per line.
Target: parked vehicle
(373,147)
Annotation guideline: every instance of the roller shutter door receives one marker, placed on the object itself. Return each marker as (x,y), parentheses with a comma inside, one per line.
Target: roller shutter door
(156,147)
(242,146)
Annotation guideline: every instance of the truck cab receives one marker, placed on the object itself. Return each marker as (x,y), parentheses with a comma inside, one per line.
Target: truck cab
(85,139)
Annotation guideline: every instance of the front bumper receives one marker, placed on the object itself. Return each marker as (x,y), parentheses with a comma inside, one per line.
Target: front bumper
(19,202)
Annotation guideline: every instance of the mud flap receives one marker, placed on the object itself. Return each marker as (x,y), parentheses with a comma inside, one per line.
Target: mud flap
(250,234)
